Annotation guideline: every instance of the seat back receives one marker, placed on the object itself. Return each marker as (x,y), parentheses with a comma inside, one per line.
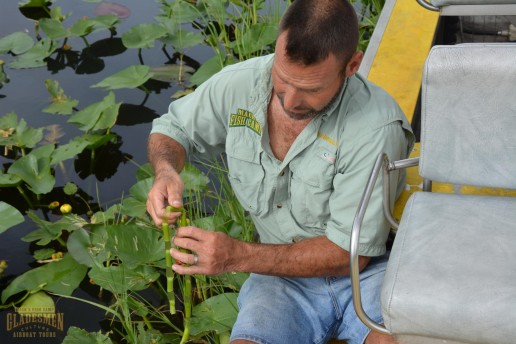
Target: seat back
(468,115)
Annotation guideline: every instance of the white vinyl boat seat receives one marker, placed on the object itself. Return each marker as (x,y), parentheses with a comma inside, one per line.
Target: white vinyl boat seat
(470,7)
(451,276)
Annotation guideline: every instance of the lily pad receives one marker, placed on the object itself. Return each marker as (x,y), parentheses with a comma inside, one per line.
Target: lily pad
(193,178)
(61,277)
(218,313)
(135,245)
(61,104)
(130,77)
(53,28)
(69,150)
(37,303)
(9,180)
(77,335)
(35,56)
(97,116)
(120,279)
(88,248)
(255,38)
(85,26)
(34,169)
(17,134)
(206,71)
(143,35)
(49,231)
(10,216)
(172,72)
(17,43)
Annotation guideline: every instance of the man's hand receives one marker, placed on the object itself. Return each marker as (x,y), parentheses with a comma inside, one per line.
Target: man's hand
(215,251)
(167,158)
(167,189)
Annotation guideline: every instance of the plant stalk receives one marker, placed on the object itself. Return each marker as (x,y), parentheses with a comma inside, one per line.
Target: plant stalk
(168,261)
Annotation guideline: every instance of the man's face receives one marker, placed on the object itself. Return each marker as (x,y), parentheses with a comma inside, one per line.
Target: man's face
(305,91)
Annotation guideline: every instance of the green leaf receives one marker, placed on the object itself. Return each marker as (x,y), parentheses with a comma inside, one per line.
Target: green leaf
(53,28)
(231,280)
(218,313)
(9,180)
(69,150)
(143,35)
(255,39)
(10,216)
(49,231)
(206,71)
(133,207)
(82,27)
(34,169)
(17,43)
(70,188)
(96,140)
(97,116)
(4,79)
(135,245)
(120,279)
(44,253)
(136,205)
(76,335)
(103,217)
(145,171)
(104,22)
(37,303)
(61,277)
(85,26)
(35,56)
(61,104)
(183,12)
(172,72)
(193,178)
(18,134)
(179,37)
(141,189)
(89,248)
(64,107)
(130,77)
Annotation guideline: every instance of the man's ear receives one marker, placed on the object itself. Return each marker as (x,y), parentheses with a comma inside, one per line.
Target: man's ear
(354,63)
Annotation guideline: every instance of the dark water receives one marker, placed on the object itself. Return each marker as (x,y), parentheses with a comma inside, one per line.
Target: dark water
(26,95)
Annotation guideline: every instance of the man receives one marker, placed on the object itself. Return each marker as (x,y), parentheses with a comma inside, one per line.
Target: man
(301,132)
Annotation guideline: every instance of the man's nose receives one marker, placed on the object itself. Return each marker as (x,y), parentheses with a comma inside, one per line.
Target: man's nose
(291,98)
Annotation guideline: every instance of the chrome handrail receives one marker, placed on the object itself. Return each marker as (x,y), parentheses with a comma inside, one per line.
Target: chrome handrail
(382,162)
(427,5)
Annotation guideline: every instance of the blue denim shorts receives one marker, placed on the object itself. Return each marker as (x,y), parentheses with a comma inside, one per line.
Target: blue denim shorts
(277,310)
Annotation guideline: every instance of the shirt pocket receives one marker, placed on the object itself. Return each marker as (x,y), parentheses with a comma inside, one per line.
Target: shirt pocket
(311,186)
(246,176)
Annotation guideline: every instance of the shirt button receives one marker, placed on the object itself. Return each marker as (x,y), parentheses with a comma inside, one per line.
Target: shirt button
(282,173)
(279,205)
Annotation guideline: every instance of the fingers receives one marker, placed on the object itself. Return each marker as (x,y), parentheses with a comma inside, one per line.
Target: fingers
(165,190)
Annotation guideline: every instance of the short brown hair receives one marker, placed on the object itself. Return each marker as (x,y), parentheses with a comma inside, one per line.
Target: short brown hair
(318,28)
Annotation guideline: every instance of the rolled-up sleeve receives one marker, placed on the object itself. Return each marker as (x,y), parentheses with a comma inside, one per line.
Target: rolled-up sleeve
(198,121)
(354,168)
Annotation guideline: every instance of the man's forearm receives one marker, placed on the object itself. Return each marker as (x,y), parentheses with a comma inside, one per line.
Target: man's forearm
(308,258)
(165,153)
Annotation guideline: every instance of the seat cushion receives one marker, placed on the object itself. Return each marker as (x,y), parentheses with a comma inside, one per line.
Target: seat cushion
(452,270)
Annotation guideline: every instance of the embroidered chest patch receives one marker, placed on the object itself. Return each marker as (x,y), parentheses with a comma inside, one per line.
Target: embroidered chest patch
(244,118)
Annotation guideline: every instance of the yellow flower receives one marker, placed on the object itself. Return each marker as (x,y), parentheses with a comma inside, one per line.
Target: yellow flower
(65,208)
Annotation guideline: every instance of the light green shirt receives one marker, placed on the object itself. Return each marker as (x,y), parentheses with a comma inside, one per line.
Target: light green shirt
(316,189)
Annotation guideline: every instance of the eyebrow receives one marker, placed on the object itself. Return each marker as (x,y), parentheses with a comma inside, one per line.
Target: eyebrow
(315,89)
